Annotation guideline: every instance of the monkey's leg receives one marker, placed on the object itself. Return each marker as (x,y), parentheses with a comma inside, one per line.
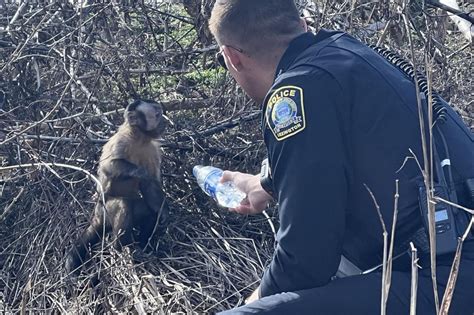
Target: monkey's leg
(144,222)
(89,237)
(121,216)
(155,199)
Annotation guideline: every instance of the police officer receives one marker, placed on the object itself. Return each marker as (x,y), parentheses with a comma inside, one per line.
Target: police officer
(341,128)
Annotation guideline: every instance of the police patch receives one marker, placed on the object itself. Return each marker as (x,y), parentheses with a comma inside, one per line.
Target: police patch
(285,112)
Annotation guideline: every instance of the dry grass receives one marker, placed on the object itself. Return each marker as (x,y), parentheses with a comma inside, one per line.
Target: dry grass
(64,92)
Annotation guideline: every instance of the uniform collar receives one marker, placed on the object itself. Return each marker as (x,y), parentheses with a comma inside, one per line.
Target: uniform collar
(298,45)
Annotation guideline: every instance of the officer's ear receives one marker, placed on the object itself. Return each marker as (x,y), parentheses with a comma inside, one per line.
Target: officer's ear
(304,25)
(233,58)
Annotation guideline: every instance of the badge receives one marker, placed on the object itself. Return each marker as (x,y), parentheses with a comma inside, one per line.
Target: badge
(285,112)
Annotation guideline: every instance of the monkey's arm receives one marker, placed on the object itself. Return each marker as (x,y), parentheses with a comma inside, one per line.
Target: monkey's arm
(123,169)
(149,186)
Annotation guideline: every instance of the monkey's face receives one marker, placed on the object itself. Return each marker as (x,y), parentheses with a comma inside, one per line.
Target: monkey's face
(146,116)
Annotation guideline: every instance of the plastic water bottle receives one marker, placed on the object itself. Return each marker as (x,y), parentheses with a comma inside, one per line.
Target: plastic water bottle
(226,194)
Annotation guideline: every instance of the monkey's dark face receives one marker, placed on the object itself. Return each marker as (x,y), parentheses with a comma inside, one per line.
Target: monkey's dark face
(146,116)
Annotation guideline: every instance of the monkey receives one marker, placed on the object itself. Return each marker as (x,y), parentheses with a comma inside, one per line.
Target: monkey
(130,176)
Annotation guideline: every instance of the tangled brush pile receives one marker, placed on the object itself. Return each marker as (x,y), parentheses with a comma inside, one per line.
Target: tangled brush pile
(66,73)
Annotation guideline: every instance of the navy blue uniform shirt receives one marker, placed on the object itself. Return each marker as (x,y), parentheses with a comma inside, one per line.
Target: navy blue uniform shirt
(340,118)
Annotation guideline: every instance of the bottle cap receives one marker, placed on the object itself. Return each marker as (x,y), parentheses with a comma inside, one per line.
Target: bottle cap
(196,169)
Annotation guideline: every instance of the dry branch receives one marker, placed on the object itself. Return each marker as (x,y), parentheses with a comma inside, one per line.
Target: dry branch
(67,73)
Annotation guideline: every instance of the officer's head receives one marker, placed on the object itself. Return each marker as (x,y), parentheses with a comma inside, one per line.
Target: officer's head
(253,35)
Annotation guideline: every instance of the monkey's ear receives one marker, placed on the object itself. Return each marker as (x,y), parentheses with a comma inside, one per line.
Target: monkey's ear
(130,109)
(133,105)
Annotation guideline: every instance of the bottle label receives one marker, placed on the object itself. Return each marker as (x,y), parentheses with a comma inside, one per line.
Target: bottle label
(211,181)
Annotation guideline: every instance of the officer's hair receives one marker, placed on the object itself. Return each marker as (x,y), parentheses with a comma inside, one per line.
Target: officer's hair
(256,26)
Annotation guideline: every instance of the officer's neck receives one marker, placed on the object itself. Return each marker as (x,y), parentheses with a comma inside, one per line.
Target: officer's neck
(268,68)
(265,74)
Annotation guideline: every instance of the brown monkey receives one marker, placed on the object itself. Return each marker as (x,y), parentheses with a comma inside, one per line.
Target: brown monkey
(129,172)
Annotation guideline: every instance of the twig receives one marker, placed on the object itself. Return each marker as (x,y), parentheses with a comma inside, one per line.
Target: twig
(76,168)
(270,223)
(427,171)
(19,49)
(383,298)
(55,107)
(453,275)
(453,11)
(414,278)
(13,202)
(436,198)
(384,32)
(228,124)
(388,279)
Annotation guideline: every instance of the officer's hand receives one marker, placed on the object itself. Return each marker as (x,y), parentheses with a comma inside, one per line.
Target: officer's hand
(254,296)
(257,198)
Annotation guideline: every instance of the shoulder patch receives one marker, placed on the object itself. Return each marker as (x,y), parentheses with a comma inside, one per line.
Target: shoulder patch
(285,112)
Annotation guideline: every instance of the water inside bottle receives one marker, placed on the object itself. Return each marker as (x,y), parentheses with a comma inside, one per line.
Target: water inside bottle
(227,195)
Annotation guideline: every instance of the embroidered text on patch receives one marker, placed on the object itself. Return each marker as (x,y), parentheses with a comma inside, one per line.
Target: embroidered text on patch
(285,112)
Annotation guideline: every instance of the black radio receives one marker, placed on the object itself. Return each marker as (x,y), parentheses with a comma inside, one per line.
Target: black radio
(445,222)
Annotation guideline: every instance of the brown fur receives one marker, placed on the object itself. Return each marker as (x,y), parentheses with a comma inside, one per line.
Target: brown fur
(136,148)
(129,172)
